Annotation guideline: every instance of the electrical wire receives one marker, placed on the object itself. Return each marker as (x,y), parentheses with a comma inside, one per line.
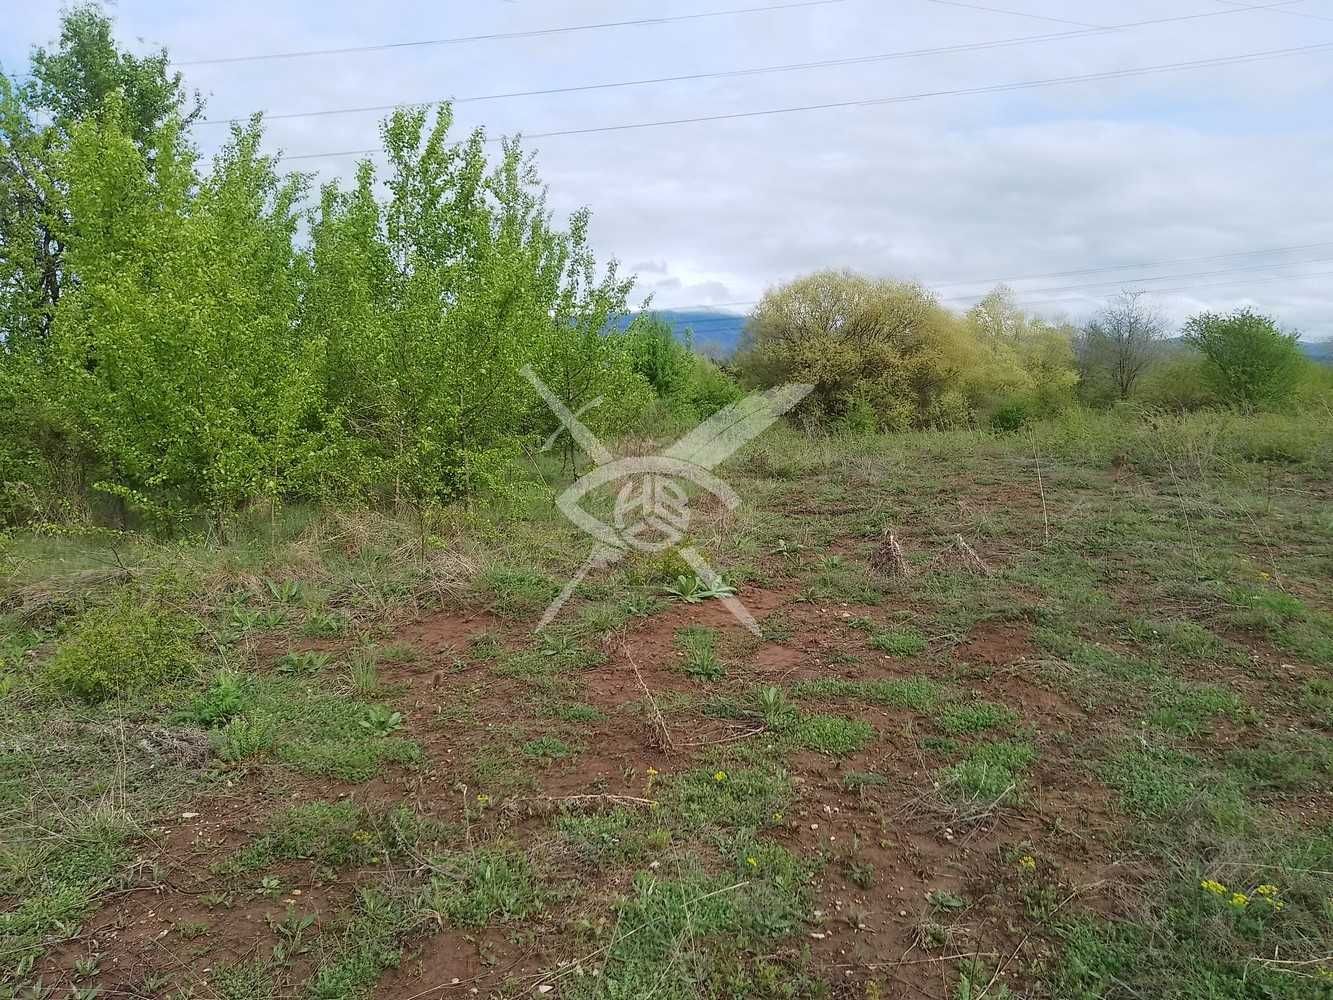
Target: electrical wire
(876,101)
(759,70)
(502,35)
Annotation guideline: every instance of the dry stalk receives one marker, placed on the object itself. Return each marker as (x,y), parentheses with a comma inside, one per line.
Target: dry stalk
(889,559)
(667,742)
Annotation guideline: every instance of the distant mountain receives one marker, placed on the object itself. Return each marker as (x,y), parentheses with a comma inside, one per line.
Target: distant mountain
(1318,350)
(718,333)
(715,333)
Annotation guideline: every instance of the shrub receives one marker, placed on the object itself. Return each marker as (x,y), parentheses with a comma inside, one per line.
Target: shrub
(1249,361)
(123,647)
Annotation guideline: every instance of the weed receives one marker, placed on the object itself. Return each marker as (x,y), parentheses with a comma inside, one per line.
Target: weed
(121,648)
(900,642)
(990,772)
(226,698)
(777,712)
(832,734)
(699,646)
(301,664)
(476,888)
(547,748)
(380,720)
(695,589)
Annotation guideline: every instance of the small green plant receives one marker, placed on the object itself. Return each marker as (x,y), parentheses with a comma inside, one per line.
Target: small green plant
(899,642)
(832,734)
(269,886)
(284,591)
(695,589)
(364,674)
(324,625)
(243,738)
(547,748)
(380,720)
(121,648)
(191,929)
(699,646)
(990,773)
(777,712)
(226,698)
(303,663)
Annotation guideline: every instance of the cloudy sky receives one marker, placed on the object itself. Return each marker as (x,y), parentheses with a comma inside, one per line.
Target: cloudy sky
(1212,181)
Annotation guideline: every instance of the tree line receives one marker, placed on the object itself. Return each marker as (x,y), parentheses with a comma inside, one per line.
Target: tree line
(884,355)
(179,339)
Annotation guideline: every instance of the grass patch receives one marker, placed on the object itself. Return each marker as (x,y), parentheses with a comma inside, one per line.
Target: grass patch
(919,693)
(749,797)
(964,718)
(832,734)
(899,642)
(991,772)
(488,885)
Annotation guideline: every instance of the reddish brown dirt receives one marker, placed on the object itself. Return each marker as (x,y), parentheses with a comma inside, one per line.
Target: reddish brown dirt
(902,829)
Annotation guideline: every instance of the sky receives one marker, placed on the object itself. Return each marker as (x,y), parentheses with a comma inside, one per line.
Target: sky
(1207,186)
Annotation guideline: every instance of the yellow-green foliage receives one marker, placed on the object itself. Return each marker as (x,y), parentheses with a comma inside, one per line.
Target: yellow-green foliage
(886,356)
(125,646)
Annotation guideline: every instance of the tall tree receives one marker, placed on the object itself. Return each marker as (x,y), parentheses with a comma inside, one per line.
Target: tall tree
(1120,342)
(66,84)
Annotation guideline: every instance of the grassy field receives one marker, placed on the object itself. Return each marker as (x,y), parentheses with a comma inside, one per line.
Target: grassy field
(1074,740)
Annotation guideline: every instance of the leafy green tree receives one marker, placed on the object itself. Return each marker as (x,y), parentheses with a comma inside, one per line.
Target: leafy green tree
(880,347)
(172,358)
(426,306)
(65,85)
(1249,361)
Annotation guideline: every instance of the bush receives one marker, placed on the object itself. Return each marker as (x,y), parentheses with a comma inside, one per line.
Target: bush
(1012,415)
(1249,361)
(124,647)
(1178,383)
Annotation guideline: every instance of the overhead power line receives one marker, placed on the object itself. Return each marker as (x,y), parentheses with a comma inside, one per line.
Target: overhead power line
(1282,8)
(899,99)
(503,35)
(763,70)
(1210,284)
(1131,281)
(1127,267)
(1135,282)
(1012,13)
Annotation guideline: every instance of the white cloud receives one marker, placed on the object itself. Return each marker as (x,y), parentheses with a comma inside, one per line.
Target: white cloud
(1087,175)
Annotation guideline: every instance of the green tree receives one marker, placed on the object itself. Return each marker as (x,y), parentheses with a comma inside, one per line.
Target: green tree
(1249,361)
(869,346)
(66,85)
(426,306)
(172,359)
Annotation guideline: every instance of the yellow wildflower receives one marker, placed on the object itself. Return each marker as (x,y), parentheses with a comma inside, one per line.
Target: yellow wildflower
(483,799)
(1266,890)
(652,771)
(752,862)
(1239,899)
(1028,863)
(720,776)
(1216,888)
